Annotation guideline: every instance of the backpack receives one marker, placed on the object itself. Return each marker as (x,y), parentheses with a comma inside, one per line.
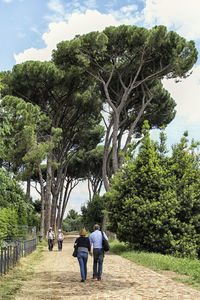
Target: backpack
(105,244)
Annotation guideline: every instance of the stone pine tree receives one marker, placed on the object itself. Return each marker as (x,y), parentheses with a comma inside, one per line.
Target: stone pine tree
(126,64)
(72,105)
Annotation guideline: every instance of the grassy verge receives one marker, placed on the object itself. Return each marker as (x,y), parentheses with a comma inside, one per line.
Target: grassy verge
(185,270)
(11,283)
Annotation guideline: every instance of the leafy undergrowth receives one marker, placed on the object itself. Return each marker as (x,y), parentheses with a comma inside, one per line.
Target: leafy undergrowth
(184,269)
(11,283)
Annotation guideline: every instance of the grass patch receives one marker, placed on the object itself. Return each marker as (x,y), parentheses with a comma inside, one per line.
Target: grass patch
(188,269)
(11,283)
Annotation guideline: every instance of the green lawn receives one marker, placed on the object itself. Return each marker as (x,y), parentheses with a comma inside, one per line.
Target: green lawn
(187,270)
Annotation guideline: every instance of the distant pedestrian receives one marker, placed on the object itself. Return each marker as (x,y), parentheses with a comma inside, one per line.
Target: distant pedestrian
(50,238)
(60,238)
(82,244)
(98,253)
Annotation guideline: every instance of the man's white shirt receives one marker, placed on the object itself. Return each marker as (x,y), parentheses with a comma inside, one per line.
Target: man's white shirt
(96,238)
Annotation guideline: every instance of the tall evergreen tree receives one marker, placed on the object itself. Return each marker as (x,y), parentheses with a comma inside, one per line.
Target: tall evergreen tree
(72,106)
(127,64)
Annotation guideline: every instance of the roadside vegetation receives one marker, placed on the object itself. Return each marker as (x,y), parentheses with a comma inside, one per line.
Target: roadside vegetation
(52,138)
(11,283)
(185,270)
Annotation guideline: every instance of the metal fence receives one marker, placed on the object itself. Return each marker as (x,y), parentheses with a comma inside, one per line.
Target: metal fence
(10,254)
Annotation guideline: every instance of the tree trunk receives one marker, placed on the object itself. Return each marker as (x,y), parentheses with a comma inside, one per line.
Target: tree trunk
(69,187)
(105,158)
(114,143)
(58,220)
(54,209)
(42,202)
(28,187)
(48,193)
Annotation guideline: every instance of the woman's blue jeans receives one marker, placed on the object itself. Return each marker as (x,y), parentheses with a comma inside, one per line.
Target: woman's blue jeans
(98,255)
(82,258)
(60,245)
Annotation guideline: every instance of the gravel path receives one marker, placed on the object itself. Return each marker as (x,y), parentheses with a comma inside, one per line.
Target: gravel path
(58,277)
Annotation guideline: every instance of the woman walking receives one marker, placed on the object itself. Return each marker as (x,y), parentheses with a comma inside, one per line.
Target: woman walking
(83,246)
(60,238)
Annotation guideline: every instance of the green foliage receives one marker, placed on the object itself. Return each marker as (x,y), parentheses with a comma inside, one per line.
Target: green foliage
(72,109)
(123,65)
(37,206)
(16,208)
(93,212)
(11,193)
(126,65)
(73,221)
(154,199)
(8,222)
(22,147)
(122,50)
(87,164)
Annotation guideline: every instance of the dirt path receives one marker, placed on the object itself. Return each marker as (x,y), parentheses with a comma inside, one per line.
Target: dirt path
(58,277)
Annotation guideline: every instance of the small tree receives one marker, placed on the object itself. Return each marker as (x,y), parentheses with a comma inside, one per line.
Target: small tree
(185,166)
(93,212)
(73,221)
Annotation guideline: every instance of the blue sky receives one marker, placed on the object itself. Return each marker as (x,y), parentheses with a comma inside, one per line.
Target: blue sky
(30,30)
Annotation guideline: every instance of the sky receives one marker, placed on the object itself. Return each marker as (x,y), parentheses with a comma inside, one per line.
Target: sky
(30,30)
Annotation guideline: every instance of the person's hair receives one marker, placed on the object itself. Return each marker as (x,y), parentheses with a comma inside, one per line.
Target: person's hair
(96,227)
(82,232)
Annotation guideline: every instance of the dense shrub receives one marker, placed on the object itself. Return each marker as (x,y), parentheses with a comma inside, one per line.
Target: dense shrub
(8,222)
(15,208)
(154,200)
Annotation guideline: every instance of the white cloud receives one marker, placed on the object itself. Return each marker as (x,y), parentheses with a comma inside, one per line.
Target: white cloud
(33,54)
(56,6)
(90,4)
(58,10)
(78,23)
(128,15)
(129,8)
(187,95)
(180,15)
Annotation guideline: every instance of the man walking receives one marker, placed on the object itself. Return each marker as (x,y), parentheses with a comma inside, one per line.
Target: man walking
(50,237)
(98,253)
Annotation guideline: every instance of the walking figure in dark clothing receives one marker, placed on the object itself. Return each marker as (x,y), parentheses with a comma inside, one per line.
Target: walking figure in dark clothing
(83,246)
